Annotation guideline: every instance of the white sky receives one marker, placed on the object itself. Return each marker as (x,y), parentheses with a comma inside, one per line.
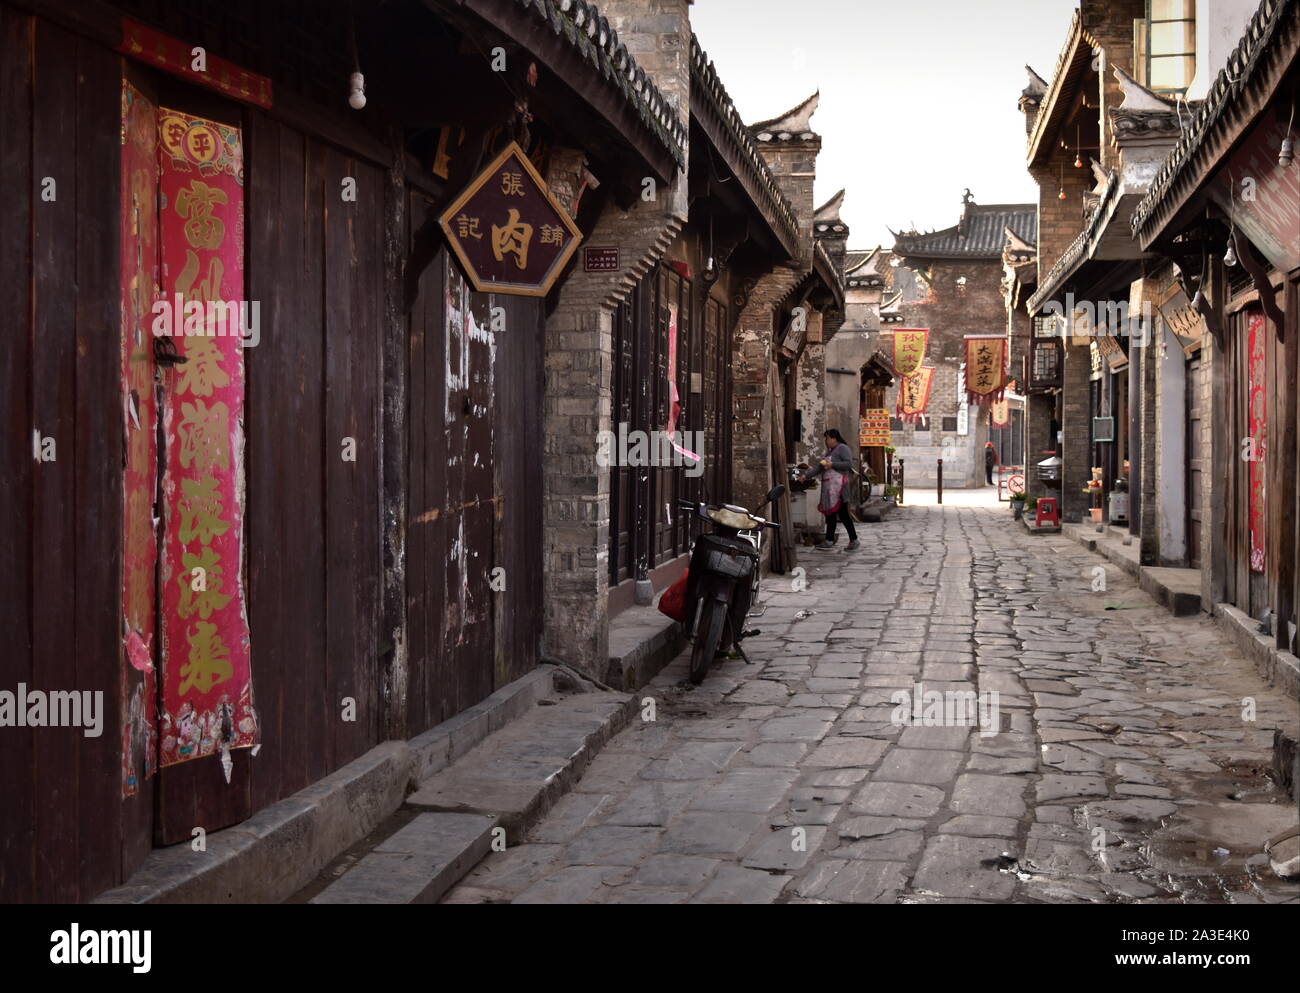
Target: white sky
(918,97)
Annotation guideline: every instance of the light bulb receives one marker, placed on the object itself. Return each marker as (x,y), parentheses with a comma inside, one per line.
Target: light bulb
(1078,162)
(1061,195)
(1230,256)
(1287,152)
(357,91)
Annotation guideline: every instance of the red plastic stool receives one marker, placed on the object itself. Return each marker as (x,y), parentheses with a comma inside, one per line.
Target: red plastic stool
(1046,512)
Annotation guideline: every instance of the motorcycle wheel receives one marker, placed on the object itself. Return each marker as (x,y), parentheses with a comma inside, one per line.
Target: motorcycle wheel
(708,632)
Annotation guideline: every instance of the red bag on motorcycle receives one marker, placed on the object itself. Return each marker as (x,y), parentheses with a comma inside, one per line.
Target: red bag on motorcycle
(673,602)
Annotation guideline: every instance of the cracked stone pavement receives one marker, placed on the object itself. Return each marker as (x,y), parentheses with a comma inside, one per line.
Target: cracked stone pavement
(1122,769)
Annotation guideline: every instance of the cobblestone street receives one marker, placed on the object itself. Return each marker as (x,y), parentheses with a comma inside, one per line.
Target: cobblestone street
(1120,768)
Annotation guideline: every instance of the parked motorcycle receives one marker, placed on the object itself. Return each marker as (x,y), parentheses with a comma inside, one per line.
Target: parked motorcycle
(723,578)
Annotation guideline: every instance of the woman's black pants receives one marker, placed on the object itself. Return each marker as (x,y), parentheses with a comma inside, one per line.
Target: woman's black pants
(842,515)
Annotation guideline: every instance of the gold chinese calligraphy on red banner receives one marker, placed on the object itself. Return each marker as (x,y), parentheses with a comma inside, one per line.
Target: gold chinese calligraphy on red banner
(206,678)
(914,394)
(1257,415)
(909,349)
(986,368)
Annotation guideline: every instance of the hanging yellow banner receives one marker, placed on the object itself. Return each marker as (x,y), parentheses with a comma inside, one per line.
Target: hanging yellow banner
(909,349)
(986,368)
(1000,413)
(914,394)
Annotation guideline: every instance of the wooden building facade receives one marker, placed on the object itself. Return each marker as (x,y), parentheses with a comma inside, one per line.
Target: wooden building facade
(376,475)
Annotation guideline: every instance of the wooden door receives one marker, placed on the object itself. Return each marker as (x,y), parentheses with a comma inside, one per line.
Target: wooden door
(474,522)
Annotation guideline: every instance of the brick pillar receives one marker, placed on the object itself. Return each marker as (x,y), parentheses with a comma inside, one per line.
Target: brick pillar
(579,363)
(1110,23)
(751,360)
(1076,432)
(810,394)
(1149,357)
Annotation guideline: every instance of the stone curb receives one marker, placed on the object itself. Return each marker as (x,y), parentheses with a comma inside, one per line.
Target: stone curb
(1279,668)
(517,802)
(1162,583)
(282,848)
(641,642)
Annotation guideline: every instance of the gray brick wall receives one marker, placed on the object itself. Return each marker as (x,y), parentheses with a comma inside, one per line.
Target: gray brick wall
(579,363)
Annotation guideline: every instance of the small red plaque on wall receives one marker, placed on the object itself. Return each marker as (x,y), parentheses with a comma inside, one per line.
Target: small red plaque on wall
(600,260)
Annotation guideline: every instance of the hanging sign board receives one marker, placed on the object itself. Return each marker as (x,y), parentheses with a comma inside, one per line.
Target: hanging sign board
(509,232)
(873,430)
(1182,319)
(1112,353)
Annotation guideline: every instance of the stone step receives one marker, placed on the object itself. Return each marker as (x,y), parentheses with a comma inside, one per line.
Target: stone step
(417,864)
(1179,590)
(641,642)
(518,773)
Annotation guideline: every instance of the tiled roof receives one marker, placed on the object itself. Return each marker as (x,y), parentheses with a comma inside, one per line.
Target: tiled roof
(1232,80)
(853,259)
(589,32)
(980,235)
(794,123)
(706,85)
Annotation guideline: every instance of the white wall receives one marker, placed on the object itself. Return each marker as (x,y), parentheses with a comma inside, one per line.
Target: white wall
(1171,449)
(1219,27)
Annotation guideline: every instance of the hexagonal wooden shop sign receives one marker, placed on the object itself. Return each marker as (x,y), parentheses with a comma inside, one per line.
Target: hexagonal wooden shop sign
(509,232)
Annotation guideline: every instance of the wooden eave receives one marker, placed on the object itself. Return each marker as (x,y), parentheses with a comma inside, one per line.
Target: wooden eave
(1073,64)
(556,55)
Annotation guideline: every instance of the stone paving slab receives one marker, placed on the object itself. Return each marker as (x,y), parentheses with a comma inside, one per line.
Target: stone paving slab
(800,778)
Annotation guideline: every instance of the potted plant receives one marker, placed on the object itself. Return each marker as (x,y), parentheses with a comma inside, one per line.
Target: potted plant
(1018,505)
(1093,490)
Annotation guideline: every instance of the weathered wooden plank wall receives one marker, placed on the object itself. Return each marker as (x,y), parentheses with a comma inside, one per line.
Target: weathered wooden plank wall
(18,812)
(518,470)
(61,819)
(314,567)
(315,264)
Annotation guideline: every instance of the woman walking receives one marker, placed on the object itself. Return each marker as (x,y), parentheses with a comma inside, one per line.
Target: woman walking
(834,469)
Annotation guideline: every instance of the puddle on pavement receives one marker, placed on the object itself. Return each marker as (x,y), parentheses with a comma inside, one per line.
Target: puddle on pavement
(1211,852)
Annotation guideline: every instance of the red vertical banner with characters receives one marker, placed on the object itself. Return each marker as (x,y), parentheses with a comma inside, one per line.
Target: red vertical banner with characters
(138,261)
(207,684)
(1257,414)
(675,401)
